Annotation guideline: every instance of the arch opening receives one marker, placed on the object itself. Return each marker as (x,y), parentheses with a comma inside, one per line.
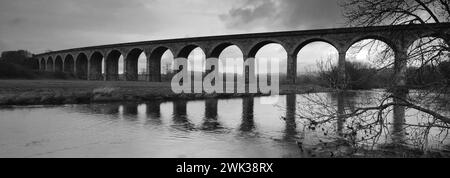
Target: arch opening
(82,66)
(428,61)
(231,62)
(132,64)
(266,55)
(369,64)
(50,65)
(58,64)
(111,68)
(43,65)
(196,63)
(161,65)
(69,64)
(317,63)
(96,66)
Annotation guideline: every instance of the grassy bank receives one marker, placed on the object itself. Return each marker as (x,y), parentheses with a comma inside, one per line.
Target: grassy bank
(53,92)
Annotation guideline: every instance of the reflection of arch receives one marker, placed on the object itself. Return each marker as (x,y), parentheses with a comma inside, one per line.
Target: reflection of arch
(432,34)
(43,64)
(69,63)
(58,64)
(196,76)
(96,66)
(131,64)
(257,48)
(81,66)
(112,65)
(50,64)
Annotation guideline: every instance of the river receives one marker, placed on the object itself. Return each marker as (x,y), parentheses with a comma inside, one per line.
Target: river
(213,128)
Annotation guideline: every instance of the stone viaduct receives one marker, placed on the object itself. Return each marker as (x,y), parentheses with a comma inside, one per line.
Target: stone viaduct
(86,62)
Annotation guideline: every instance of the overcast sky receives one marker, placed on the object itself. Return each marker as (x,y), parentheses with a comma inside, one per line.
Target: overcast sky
(41,25)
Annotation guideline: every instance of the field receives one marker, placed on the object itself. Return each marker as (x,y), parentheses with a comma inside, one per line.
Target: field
(36,92)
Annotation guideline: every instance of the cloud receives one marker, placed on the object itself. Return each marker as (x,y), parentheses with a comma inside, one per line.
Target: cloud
(283,14)
(40,25)
(3,46)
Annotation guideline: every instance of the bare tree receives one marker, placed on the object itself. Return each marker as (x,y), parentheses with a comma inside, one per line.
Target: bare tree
(367,120)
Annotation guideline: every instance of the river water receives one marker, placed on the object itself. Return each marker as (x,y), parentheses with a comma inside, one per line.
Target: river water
(216,128)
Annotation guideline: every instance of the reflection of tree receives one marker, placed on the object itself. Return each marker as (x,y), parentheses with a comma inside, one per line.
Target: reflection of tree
(367,123)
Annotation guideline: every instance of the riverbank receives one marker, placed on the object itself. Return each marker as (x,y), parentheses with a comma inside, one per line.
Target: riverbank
(54,92)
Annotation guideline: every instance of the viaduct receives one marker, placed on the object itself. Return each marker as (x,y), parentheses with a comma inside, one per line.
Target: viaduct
(86,62)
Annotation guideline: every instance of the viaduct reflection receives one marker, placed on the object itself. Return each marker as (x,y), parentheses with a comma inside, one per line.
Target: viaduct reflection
(248,122)
(343,101)
(180,117)
(347,102)
(290,132)
(398,123)
(211,118)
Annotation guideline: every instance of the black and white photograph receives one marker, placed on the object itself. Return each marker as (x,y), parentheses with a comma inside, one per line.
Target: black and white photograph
(224,79)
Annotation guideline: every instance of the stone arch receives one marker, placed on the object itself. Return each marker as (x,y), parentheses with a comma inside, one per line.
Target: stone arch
(131,64)
(429,49)
(95,62)
(217,50)
(69,64)
(81,65)
(49,66)
(43,65)
(389,44)
(155,61)
(59,64)
(112,65)
(383,39)
(306,56)
(256,47)
(186,50)
(300,46)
